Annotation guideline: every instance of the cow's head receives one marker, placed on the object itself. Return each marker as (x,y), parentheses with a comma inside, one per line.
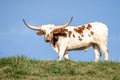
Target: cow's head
(46,30)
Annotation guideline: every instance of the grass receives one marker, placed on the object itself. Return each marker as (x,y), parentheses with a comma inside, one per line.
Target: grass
(22,68)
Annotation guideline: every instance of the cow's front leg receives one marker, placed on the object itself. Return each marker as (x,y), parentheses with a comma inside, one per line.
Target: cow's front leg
(60,55)
(61,52)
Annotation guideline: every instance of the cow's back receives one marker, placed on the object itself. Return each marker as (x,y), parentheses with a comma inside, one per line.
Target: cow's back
(82,36)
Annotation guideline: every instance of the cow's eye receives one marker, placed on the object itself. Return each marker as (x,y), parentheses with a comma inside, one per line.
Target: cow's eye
(44,32)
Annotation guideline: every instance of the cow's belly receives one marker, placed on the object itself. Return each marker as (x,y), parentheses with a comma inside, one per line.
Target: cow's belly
(77,45)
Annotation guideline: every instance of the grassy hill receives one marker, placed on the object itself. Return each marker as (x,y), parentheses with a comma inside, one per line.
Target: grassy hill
(22,68)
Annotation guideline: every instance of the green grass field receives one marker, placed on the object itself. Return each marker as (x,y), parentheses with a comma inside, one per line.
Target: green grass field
(22,68)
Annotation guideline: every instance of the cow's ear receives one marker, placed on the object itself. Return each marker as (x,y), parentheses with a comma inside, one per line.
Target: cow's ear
(40,33)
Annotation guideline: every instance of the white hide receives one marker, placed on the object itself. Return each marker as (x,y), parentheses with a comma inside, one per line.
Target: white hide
(98,40)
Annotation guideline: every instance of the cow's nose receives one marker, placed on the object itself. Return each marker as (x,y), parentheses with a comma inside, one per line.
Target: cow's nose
(47,40)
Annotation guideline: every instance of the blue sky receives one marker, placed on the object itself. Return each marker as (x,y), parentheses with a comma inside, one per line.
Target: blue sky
(16,39)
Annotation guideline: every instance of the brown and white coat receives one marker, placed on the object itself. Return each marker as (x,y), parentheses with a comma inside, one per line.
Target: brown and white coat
(66,38)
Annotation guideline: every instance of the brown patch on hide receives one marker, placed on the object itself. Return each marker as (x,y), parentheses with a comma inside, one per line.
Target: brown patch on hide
(60,32)
(70,33)
(80,29)
(91,32)
(73,35)
(54,41)
(79,38)
(40,33)
(89,26)
(82,35)
(57,33)
(89,35)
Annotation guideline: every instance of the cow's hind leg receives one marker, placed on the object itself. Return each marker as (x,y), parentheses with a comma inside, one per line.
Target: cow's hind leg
(97,53)
(66,55)
(105,51)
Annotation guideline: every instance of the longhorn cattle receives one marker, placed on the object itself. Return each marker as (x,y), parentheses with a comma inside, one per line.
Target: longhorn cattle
(65,38)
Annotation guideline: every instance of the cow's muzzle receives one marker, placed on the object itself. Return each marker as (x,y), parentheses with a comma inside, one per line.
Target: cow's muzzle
(47,40)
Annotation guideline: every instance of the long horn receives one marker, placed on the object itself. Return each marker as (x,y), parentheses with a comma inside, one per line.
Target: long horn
(68,23)
(31,27)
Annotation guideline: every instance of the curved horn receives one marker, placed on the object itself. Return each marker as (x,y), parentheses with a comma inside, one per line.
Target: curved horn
(68,23)
(31,27)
